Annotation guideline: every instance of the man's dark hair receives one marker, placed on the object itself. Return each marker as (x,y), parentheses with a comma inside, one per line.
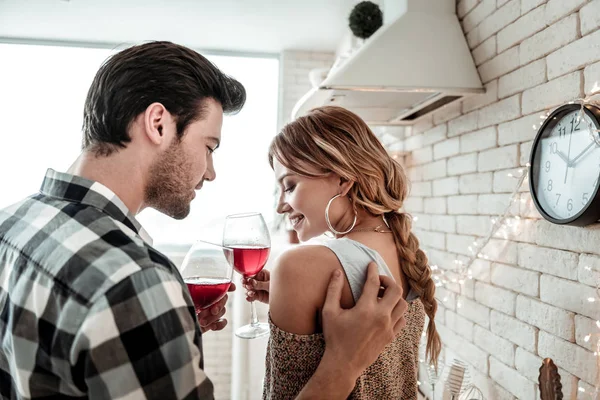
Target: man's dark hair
(128,82)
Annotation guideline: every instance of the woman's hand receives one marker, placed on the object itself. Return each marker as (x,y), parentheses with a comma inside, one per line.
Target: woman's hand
(258,287)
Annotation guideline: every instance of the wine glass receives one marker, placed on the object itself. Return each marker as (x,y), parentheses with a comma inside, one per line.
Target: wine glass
(248,237)
(207,271)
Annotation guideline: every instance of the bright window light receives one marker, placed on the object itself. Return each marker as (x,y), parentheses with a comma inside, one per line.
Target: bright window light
(42,93)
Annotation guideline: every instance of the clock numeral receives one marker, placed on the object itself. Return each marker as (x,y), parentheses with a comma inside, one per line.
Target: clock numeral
(553,147)
(585,199)
(562,131)
(549,185)
(548,166)
(557,198)
(570,205)
(575,126)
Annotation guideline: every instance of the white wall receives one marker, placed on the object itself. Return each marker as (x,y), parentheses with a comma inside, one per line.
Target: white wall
(529,301)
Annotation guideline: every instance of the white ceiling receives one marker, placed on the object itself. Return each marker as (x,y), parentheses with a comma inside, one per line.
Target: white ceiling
(267,26)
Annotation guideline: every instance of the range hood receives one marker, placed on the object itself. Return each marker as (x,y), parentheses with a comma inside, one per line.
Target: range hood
(409,68)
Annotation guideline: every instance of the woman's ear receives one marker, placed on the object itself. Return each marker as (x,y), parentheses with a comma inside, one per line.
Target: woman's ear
(345,186)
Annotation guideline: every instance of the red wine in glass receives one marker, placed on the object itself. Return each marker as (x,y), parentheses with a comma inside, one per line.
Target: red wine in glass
(250,260)
(206,291)
(207,272)
(248,237)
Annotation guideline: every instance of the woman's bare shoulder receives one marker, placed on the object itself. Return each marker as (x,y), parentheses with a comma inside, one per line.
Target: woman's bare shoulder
(299,282)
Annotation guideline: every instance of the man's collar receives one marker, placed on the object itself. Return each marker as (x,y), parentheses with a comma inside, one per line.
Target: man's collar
(81,190)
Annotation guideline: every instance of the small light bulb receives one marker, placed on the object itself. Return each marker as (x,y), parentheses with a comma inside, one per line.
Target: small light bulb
(587,338)
(591,299)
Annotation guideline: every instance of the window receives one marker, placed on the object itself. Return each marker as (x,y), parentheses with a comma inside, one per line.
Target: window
(43,90)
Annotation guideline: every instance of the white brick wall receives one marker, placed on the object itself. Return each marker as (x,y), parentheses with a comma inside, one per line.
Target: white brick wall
(529,297)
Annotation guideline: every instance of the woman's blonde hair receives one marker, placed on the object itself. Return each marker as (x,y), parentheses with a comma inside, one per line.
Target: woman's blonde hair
(333,139)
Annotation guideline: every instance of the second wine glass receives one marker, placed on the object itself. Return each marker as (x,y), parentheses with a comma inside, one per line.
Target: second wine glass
(248,237)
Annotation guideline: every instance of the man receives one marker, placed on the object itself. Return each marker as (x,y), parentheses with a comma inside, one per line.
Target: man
(89,309)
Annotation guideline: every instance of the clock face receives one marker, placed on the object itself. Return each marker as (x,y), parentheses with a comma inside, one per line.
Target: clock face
(566,165)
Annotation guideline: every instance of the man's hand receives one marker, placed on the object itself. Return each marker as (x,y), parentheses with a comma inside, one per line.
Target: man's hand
(258,287)
(210,319)
(355,337)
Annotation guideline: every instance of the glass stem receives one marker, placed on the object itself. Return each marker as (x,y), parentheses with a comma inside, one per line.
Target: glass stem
(253,316)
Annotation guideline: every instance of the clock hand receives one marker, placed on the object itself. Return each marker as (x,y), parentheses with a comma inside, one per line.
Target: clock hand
(573,161)
(568,156)
(562,155)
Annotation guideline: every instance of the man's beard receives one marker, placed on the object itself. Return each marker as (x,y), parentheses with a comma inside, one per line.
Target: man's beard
(168,189)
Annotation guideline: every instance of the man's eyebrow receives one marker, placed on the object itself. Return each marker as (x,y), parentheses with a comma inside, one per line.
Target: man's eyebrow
(216,140)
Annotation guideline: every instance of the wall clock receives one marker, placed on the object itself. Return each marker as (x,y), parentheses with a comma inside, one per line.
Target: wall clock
(565,166)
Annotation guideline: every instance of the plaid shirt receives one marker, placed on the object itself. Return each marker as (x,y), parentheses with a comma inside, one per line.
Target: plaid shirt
(88,309)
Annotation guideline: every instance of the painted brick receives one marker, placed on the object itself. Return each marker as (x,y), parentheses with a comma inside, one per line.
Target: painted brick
(421,156)
(460,325)
(446,113)
(436,240)
(569,295)
(434,170)
(549,261)
(436,205)
(588,270)
(516,279)
(421,189)
(474,311)
(514,330)
(590,17)
(485,51)
(500,18)
(574,56)
(553,93)
(569,356)
(414,204)
(475,183)
(447,148)
(503,157)
(462,164)
(473,225)
(445,186)
(480,140)
(528,5)
(500,65)
(585,326)
(478,14)
(496,298)
(502,111)
(464,6)
(459,243)
(511,380)
(569,237)
(521,29)
(592,78)
(481,100)
(435,135)
(465,349)
(551,319)
(492,204)
(526,77)
(443,223)
(557,9)
(494,344)
(462,124)
(462,204)
(548,40)
(519,130)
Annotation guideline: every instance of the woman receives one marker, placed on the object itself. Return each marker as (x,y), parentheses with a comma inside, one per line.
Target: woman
(335,176)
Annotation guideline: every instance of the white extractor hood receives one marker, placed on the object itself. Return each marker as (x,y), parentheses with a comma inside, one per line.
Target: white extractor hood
(409,68)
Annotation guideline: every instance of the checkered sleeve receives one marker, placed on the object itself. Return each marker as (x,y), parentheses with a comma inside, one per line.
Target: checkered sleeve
(141,341)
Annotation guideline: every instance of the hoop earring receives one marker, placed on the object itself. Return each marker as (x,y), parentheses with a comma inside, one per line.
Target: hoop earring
(331,228)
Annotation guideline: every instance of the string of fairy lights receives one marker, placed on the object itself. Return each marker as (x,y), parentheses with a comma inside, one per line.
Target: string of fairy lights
(510,220)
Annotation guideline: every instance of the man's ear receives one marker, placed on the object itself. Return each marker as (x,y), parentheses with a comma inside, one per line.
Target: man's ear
(156,117)
(345,186)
